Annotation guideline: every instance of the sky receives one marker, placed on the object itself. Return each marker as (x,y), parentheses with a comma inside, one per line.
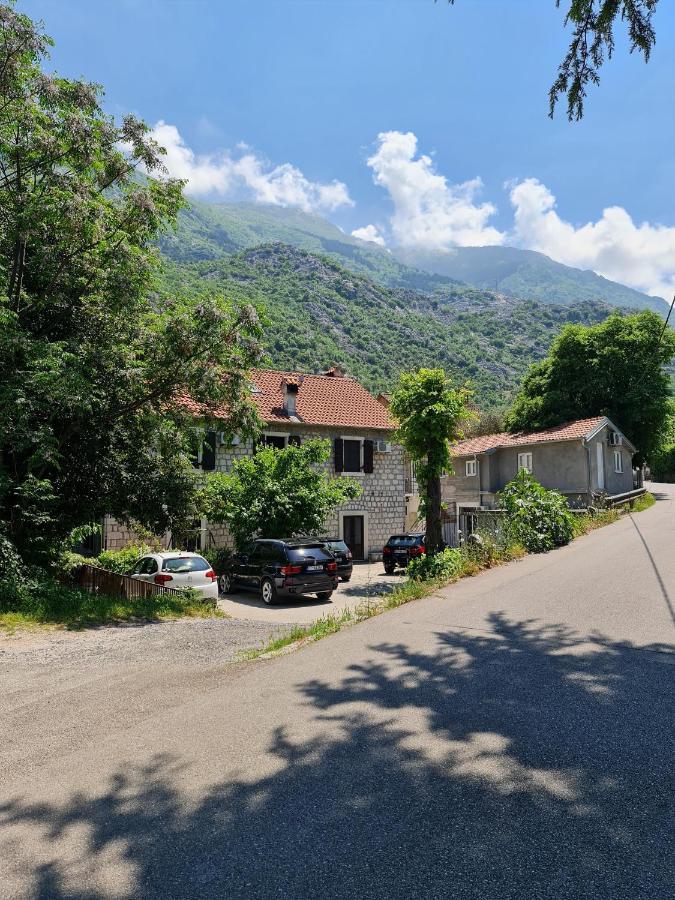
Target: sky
(412,123)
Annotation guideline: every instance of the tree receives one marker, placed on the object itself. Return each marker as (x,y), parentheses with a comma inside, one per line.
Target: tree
(614,369)
(593,25)
(429,413)
(92,353)
(277,493)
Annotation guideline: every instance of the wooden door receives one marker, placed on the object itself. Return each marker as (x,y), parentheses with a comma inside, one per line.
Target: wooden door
(352,527)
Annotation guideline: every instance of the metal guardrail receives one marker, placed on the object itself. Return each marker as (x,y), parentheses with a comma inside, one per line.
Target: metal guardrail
(101,581)
(626,497)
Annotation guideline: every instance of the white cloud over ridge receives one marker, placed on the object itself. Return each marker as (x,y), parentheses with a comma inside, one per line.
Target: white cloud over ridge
(429,211)
(369,233)
(642,256)
(246,175)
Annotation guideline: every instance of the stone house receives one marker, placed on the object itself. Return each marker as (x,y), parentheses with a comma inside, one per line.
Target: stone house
(296,407)
(581,460)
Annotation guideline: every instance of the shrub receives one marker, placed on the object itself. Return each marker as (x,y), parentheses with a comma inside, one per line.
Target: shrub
(444,565)
(536,518)
(121,561)
(218,557)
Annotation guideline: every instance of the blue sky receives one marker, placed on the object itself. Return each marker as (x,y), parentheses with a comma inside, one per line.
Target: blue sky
(312,83)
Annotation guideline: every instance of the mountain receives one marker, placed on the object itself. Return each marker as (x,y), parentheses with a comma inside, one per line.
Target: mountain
(530,275)
(317,312)
(208,231)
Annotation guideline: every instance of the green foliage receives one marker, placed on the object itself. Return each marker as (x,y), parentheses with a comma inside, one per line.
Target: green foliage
(277,493)
(538,519)
(662,463)
(121,561)
(429,413)
(317,313)
(444,565)
(93,351)
(615,369)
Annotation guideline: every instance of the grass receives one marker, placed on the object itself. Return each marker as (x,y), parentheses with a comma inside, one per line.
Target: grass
(51,604)
(474,560)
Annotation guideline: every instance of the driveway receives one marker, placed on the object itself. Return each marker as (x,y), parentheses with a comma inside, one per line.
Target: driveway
(368,581)
(509,738)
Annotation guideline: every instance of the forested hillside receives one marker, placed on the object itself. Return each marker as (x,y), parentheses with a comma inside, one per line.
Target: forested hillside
(318,313)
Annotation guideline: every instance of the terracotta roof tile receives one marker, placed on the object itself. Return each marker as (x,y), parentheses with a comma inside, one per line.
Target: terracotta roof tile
(570,431)
(334,401)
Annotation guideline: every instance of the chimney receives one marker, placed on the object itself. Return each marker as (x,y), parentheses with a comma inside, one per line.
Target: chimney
(290,386)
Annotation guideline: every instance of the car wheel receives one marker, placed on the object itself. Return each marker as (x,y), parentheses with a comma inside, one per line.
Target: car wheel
(389,570)
(346,578)
(225,584)
(324,595)
(268,591)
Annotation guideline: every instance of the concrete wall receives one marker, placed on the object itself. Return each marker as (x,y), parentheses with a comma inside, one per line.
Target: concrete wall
(559,466)
(615,483)
(382,501)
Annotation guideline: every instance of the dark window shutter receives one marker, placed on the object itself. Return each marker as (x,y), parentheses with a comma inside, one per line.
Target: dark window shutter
(294,440)
(339,455)
(254,447)
(209,451)
(368,457)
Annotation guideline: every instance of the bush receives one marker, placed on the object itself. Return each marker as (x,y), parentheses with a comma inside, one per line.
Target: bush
(444,565)
(536,518)
(662,463)
(218,558)
(121,561)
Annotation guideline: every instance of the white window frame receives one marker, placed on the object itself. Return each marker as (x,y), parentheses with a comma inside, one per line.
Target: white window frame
(281,434)
(523,461)
(360,473)
(471,468)
(618,462)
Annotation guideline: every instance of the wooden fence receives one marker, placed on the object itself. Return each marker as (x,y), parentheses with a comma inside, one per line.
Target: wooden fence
(100,581)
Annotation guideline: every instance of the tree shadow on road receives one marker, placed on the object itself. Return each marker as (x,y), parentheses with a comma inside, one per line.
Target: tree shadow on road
(533,763)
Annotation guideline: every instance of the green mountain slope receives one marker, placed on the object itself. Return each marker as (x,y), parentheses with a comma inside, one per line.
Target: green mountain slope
(530,275)
(208,231)
(318,313)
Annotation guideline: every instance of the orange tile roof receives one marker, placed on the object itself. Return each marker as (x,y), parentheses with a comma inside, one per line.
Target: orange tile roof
(570,431)
(334,401)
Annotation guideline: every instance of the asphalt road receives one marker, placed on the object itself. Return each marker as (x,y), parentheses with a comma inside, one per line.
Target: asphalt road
(508,738)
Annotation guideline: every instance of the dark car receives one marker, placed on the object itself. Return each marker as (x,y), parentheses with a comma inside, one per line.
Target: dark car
(400,549)
(282,569)
(343,557)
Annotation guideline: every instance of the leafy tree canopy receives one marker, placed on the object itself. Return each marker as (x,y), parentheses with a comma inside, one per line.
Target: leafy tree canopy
(429,413)
(614,369)
(92,352)
(277,493)
(537,518)
(593,25)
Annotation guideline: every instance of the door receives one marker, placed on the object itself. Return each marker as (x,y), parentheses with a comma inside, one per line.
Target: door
(352,528)
(601,465)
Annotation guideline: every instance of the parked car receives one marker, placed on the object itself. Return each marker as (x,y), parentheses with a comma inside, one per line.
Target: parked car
(400,549)
(177,569)
(282,569)
(343,557)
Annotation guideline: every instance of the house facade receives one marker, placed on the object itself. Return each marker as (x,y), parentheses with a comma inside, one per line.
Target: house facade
(582,460)
(297,407)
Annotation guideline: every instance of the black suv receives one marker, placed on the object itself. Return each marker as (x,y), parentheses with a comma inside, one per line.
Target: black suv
(280,569)
(400,549)
(343,557)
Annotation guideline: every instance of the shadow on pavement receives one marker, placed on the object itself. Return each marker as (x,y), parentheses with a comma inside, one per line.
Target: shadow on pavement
(531,762)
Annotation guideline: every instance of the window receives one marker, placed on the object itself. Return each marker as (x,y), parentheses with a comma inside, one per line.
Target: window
(352,456)
(275,440)
(205,456)
(525,462)
(180,564)
(471,467)
(618,462)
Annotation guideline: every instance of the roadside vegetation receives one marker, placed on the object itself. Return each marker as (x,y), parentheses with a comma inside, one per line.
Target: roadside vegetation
(501,541)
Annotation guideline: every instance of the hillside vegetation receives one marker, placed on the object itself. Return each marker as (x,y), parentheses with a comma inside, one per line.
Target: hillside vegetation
(318,313)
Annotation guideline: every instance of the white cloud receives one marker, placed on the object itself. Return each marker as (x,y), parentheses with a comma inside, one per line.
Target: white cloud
(642,256)
(369,233)
(246,175)
(429,212)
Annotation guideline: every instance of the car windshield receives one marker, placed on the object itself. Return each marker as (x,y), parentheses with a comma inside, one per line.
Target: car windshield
(404,540)
(180,564)
(340,546)
(307,552)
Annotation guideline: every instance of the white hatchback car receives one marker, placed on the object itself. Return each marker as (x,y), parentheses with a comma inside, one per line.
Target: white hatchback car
(175,569)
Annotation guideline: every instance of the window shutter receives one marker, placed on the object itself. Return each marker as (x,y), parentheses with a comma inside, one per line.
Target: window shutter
(209,451)
(368,457)
(294,440)
(338,447)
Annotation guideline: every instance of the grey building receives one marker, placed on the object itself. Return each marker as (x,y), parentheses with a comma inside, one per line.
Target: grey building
(582,460)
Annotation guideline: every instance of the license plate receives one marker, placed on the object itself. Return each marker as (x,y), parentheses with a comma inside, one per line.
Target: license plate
(315,568)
